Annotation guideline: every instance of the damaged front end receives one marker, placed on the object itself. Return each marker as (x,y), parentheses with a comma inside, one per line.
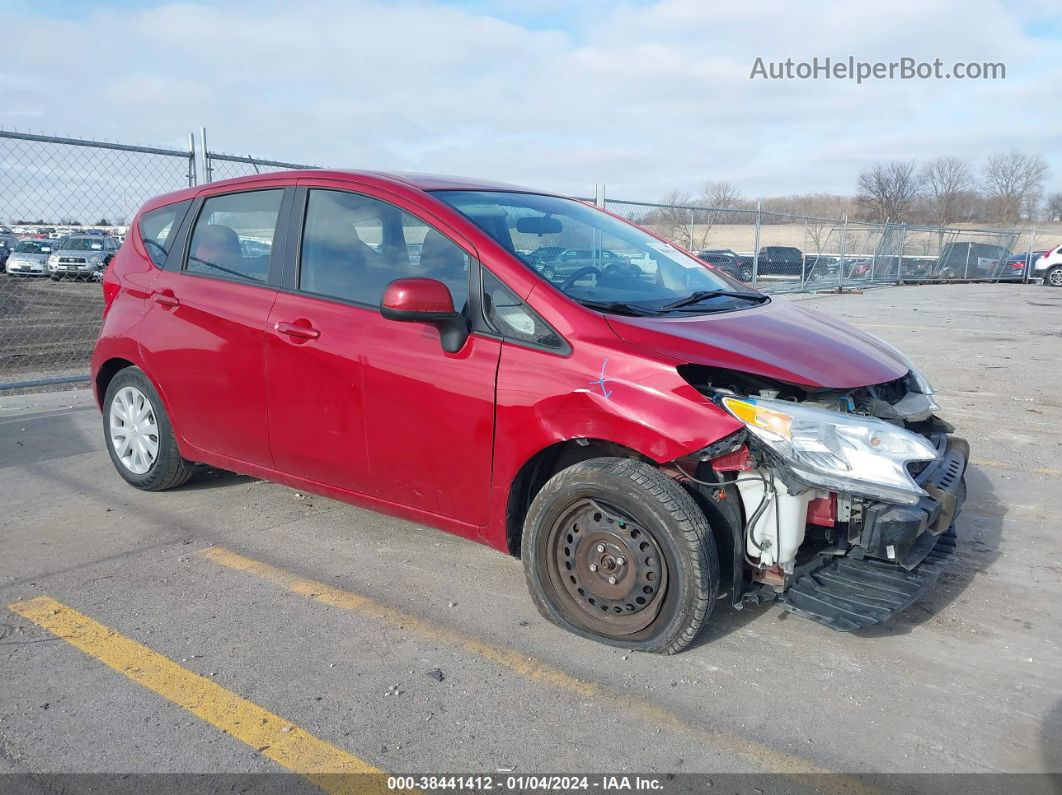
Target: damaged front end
(842,501)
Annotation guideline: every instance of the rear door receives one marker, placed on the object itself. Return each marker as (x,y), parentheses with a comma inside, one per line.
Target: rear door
(367,404)
(203,337)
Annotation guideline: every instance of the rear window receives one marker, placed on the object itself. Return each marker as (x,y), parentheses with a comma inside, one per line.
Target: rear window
(233,236)
(158,228)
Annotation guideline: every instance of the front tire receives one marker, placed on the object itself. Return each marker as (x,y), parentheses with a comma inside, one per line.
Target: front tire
(139,436)
(1053,277)
(616,551)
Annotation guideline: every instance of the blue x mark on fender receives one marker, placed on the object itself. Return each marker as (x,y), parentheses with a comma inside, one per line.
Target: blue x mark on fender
(602,382)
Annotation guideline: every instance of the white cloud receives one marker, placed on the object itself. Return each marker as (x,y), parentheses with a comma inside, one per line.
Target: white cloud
(643,98)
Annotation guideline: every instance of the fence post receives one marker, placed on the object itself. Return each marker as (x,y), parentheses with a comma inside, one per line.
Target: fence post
(804,258)
(756,248)
(844,250)
(208,169)
(1026,271)
(899,262)
(191,160)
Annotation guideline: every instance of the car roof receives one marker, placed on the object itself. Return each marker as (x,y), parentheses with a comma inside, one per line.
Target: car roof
(395,179)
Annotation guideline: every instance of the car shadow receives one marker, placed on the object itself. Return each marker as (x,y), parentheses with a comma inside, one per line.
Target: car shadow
(1051,739)
(726,618)
(29,439)
(207,477)
(979,529)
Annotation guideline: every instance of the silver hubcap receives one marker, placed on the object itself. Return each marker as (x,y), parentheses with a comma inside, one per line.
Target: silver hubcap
(134,430)
(1055,277)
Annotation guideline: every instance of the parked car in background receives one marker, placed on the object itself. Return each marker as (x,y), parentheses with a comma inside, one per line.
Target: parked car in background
(777,261)
(81,257)
(7,245)
(644,446)
(563,264)
(968,260)
(1017,267)
(1049,267)
(30,258)
(728,261)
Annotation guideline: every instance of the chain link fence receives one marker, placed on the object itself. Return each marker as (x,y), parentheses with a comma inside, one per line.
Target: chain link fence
(779,252)
(65,203)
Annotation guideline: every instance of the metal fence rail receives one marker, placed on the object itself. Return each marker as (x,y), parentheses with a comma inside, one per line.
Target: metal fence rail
(58,186)
(780,252)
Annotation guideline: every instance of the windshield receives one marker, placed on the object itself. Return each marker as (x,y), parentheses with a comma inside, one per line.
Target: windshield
(599,260)
(83,244)
(34,247)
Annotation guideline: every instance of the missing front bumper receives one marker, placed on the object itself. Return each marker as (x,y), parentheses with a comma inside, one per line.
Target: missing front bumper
(900,552)
(849,593)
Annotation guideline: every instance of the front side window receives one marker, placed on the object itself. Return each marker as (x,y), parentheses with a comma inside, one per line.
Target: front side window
(233,236)
(512,318)
(353,246)
(597,259)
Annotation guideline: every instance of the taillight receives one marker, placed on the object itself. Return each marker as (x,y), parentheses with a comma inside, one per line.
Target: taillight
(111,288)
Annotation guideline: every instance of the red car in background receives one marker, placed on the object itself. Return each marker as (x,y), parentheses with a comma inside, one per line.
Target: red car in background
(644,435)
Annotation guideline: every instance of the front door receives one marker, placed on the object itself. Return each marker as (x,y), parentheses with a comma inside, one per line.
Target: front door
(367,404)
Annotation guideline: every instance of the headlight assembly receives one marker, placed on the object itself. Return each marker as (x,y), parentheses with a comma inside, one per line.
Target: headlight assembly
(841,452)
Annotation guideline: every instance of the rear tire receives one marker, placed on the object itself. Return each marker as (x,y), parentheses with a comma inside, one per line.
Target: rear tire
(617,552)
(139,436)
(1053,277)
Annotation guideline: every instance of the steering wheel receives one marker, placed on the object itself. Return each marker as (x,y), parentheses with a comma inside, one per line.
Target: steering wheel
(583,271)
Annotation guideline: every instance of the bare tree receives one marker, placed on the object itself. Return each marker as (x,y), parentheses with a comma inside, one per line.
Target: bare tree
(1054,207)
(947,182)
(887,191)
(821,207)
(723,195)
(675,219)
(1013,182)
(719,195)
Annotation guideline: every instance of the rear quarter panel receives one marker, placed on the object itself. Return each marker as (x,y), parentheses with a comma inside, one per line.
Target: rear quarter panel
(129,277)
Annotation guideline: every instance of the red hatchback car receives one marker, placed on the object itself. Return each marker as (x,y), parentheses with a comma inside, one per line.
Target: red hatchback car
(644,431)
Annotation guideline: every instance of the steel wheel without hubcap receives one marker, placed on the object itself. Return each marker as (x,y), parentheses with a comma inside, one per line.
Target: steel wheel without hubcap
(607,569)
(134,431)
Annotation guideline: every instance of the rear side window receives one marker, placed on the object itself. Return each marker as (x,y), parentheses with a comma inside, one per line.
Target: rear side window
(159,227)
(512,318)
(233,236)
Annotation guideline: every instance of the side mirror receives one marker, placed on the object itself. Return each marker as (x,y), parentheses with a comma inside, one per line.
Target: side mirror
(419,300)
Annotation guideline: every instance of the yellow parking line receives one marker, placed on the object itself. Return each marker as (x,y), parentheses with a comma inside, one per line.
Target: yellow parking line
(274,737)
(764,756)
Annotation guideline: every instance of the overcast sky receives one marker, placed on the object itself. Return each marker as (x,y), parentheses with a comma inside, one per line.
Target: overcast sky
(641,96)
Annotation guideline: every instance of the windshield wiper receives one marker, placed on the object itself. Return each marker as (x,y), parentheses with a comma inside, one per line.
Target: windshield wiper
(618,307)
(704,295)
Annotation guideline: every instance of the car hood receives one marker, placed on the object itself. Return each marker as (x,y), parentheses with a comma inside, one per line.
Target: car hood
(778,340)
(22,256)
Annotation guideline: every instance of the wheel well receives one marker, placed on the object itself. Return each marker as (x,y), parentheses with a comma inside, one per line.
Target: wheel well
(541,467)
(108,370)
